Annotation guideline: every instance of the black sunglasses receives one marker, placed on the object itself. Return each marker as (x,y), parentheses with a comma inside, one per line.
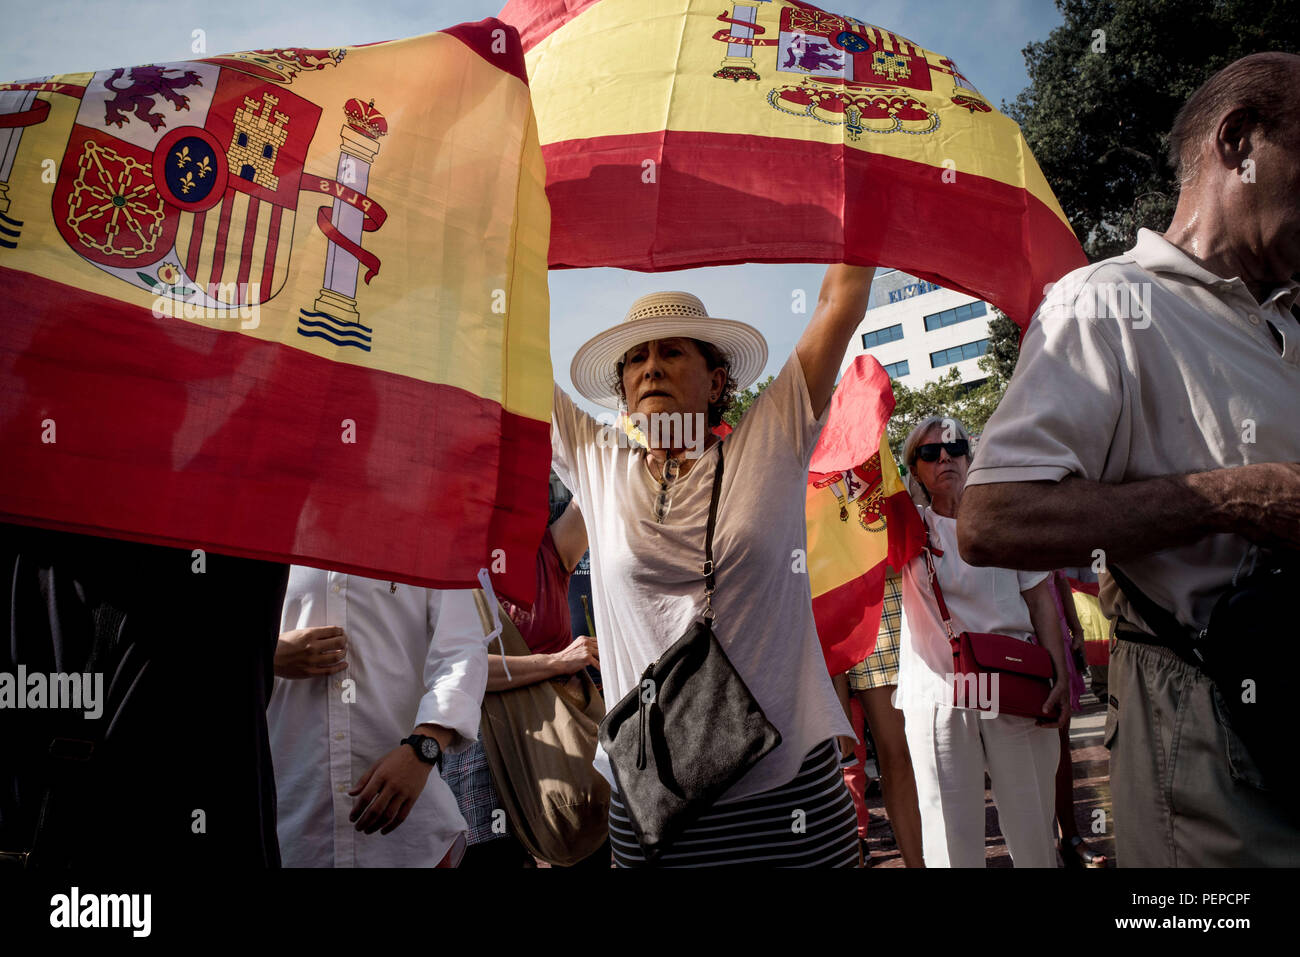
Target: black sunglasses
(930,451)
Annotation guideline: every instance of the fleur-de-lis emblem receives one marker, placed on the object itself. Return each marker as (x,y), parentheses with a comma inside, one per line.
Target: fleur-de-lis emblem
(204,167)
(182,157)
(187,182)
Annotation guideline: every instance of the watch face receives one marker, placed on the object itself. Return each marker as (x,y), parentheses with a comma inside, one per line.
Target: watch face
(429,748)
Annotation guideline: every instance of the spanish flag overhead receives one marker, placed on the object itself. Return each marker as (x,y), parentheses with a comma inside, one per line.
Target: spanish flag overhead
(284,304)
(860,517)
(700,132)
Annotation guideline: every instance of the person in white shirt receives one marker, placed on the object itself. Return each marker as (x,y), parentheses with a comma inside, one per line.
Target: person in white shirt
(1159,435)
(362,665)
(952,746)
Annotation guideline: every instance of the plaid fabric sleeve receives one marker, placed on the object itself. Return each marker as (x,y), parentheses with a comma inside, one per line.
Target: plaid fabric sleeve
(470,779)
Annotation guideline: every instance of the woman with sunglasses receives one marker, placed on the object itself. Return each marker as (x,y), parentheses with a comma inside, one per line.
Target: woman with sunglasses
(952,746)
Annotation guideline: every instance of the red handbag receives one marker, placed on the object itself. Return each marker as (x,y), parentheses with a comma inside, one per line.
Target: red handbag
(995,673)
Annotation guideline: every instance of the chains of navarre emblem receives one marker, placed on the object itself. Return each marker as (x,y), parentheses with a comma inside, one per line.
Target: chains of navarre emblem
(838,70)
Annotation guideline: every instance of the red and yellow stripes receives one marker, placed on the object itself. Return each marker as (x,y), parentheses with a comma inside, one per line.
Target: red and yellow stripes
(803,155)
(421,458)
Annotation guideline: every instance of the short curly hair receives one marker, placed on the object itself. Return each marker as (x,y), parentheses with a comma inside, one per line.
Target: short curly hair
(714,358)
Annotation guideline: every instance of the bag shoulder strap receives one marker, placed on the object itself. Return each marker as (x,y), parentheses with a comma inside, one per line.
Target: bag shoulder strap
(708,537)
(927,549)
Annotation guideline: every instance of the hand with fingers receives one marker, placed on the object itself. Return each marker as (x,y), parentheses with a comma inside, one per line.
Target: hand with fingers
(580,653)
(309,652)
(387,792)
(1059,702)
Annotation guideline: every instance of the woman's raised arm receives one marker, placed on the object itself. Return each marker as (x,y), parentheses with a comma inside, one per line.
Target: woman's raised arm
(841,305)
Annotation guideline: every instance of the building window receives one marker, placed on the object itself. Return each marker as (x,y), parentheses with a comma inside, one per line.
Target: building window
(242,139)
(946,357)
(948,317)
(881,336)
(897,370)
(268,151)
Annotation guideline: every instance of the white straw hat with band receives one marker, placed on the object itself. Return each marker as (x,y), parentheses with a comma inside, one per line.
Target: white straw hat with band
(665,315)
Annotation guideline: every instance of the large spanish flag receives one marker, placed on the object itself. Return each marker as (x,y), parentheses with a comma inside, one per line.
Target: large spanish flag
(700,132)
(285,304)
(860,517)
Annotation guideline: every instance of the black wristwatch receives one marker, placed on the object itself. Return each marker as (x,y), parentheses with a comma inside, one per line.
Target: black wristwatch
(427,749)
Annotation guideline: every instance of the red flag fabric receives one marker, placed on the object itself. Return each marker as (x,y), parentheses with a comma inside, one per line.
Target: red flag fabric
(860,518)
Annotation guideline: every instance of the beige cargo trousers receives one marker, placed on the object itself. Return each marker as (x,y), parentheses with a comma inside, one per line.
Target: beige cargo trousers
(1184,791)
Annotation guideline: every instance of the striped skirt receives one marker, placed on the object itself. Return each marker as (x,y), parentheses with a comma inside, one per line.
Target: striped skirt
(807,822)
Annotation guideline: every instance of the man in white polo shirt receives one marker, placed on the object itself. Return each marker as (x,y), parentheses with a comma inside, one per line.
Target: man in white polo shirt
(1153,417)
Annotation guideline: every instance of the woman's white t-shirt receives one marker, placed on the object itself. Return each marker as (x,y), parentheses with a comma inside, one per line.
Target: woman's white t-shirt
(646,577)
(986,600)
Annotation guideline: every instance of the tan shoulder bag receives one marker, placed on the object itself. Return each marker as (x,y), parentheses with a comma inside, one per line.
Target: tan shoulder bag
(540,741)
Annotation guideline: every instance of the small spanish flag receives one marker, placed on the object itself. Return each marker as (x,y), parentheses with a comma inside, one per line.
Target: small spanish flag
(860,517)
(703,132)
(286,304)
(1096,626)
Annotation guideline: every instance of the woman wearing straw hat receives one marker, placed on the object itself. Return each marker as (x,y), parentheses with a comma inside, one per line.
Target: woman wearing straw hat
(674,369)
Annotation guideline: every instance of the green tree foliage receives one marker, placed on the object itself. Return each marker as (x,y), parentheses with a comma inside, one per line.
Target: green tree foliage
(1099,105)
(744,400)
(999,361)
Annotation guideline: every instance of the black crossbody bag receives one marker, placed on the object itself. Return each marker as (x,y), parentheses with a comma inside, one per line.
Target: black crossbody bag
(1246,650)
(689,730)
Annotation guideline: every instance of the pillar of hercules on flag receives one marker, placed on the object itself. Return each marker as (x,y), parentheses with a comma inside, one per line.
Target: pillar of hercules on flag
(360,145)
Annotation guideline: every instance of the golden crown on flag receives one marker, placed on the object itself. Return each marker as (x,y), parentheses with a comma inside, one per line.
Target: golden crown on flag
(365,119)
(280,65)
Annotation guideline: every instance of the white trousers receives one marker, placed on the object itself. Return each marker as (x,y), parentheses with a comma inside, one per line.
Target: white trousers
(951,748)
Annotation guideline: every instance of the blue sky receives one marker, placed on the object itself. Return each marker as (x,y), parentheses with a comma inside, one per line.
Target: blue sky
(984,37)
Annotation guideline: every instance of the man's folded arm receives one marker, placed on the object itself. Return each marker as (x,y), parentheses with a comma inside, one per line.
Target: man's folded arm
(1046,525)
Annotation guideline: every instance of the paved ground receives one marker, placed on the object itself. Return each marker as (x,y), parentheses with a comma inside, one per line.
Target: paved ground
(1091,792)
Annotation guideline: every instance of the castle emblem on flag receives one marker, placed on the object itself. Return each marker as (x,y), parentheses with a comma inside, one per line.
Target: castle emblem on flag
(840,71)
